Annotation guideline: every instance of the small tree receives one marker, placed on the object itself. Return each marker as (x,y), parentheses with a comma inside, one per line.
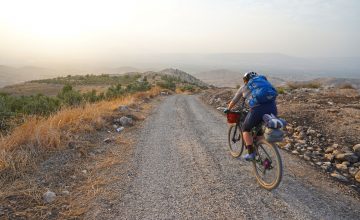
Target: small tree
(70,97)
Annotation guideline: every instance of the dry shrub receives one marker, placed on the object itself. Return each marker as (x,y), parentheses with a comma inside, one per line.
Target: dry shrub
(38,136)
(346,86)
(298,85)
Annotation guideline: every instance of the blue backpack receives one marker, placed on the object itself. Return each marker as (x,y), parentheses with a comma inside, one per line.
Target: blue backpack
(261,91)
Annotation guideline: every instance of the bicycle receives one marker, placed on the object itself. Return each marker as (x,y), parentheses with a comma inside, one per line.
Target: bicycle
(267,158)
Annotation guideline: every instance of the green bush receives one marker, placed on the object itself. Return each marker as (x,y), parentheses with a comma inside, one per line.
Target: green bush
(189,88)
(114,91)
(138,87)
(280,90)
(167,85)
(40,105)
(70,97)
(13,106)
(91,96)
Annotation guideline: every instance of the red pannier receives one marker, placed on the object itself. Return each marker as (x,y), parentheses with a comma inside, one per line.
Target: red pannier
(233,117)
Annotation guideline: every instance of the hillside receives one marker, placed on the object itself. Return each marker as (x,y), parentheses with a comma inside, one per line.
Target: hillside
(230,78)
(14,75)
(101,82)
(183,76)
(11,75)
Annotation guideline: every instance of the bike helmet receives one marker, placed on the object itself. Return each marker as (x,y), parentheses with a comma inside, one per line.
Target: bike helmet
(249,75)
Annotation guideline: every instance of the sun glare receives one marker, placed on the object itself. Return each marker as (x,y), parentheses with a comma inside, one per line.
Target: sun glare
(60,20)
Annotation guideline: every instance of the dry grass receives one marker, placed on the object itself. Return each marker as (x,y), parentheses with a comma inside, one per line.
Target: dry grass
(346,86)
(29,142)
(38,138)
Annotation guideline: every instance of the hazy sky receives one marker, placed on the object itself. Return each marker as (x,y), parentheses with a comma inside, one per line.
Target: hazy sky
(79,30)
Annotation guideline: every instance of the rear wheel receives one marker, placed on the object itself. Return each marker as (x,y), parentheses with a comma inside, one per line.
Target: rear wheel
(267,165)
(235,140)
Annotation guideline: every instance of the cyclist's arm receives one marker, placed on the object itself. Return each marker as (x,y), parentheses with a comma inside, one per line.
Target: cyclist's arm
(237,97)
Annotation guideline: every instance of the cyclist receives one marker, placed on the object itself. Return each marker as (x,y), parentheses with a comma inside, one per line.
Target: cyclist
(259,95)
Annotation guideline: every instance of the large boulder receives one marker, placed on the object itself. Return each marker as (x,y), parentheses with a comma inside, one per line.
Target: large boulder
(353,171)
(329,157)
(123,108)
(331,148)
(357,176)
(351,157)
(49,197)
(341,167)
(326,166)
(339,176)
(126,121)
(356,149)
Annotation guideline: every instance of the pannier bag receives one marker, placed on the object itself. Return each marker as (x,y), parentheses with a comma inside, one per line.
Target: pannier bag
(233,117)
(273,131)
(273,135)
(271,121)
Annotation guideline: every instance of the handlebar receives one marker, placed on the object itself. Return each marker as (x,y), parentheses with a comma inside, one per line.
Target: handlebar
(244,110)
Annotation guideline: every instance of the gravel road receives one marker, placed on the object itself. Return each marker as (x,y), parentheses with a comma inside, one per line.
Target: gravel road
(182,169)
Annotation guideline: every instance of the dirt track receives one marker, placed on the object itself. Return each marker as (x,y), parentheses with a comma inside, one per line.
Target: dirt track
(181,168)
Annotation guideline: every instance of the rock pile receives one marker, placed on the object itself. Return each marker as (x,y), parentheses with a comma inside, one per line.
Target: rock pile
(342,162)
(120,123)
(220,99)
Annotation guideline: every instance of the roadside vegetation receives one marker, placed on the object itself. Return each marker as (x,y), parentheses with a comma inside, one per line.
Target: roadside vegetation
(92,79)
(176,84)
(39,138)
(280,90)
(43,133)
(14,109)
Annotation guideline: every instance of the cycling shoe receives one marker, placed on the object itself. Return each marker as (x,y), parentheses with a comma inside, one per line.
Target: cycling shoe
(250,157)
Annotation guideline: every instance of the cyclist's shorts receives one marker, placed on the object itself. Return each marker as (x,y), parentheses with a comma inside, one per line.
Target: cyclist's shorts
(254,117)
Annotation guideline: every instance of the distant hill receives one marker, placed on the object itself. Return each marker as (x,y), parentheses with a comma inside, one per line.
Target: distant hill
(183,76)
(229,78)
(12,75)
(167,78)
(279,65)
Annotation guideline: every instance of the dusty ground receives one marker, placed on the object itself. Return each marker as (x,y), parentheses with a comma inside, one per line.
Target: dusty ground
(334,113)
(181,168)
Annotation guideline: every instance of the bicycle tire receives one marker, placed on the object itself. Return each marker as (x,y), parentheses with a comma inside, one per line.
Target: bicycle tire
(279,172)
(235,153)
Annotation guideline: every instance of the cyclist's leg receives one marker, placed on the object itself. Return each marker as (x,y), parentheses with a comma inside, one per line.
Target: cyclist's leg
(252,119)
